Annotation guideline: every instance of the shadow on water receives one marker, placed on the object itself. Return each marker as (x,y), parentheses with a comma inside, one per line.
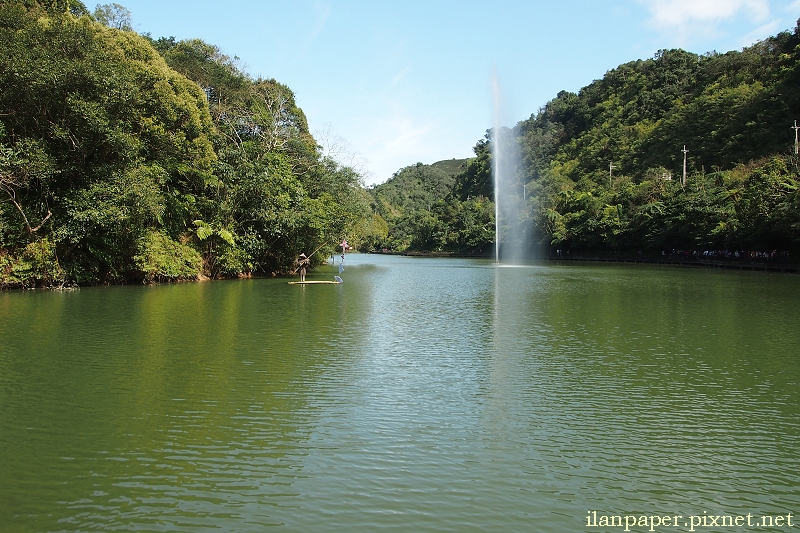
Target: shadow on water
(187,403)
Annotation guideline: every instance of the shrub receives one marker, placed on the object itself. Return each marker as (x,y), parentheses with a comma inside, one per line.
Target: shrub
(159,258)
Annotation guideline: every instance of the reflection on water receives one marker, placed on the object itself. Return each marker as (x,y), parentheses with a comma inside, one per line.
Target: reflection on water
(420,395)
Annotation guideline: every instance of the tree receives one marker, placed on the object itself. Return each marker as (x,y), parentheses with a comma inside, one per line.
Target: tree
(101,140)
(113,16)
(275,192)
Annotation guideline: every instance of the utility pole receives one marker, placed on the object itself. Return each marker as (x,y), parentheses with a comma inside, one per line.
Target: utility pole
(795,128)
(610,168)
(683,178)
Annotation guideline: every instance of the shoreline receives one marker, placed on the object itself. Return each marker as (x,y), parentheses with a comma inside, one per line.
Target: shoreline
(765,265)
(696,262)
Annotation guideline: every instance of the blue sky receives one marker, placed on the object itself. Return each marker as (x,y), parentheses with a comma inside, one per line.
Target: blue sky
(386,84)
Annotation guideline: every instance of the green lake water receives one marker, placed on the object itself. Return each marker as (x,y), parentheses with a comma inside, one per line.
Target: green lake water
(421,395)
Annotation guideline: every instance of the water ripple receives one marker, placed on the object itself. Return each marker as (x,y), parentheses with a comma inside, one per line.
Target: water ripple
(420,395)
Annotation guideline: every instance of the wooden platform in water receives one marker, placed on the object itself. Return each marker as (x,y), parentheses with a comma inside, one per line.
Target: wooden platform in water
(315,282)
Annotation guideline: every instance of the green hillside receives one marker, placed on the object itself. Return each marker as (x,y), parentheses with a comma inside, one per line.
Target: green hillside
(603,168)
(415,202)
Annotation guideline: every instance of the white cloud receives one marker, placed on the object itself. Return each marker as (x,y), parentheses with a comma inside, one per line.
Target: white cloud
(758,34)
(322,13)
(688,22)
(401,76)
(676,14)
(396,141)
(403,134)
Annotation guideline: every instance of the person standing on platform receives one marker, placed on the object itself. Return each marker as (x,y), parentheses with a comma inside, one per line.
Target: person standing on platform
(302,263)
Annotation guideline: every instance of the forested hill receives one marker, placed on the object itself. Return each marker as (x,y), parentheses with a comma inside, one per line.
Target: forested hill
(416,187)
(603,168)
(413,203)
(124,158)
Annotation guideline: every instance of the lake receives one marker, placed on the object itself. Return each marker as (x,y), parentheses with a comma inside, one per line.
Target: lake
(420,395)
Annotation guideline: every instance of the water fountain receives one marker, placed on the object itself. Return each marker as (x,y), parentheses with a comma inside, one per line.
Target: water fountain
(511,235)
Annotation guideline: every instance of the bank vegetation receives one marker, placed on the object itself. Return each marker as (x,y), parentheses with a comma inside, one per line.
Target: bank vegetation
(127,158)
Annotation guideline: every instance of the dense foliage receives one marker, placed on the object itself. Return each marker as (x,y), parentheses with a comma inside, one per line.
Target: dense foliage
(602,170)
(422,213)
(126,158)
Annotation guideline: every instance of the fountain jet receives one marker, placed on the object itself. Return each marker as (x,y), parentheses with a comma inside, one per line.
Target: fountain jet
(511,224)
